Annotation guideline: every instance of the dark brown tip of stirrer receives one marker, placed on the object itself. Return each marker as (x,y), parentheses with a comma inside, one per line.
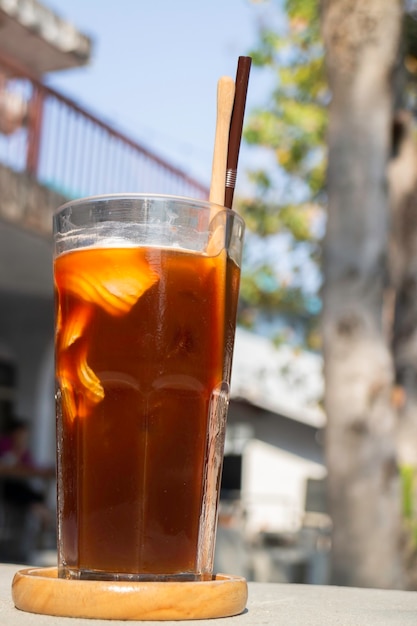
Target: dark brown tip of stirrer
(236,126)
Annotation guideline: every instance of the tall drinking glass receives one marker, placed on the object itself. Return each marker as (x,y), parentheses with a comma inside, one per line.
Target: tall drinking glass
(146,297)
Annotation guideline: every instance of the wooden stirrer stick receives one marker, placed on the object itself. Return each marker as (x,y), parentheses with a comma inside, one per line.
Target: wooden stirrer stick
(225,98)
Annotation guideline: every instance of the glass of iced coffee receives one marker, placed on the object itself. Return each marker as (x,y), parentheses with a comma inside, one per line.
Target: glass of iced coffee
(146,297)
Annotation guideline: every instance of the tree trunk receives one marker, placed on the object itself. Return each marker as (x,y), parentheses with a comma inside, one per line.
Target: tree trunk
(362,43)
(403,270)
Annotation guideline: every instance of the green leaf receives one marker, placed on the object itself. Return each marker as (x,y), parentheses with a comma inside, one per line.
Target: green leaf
(291,127)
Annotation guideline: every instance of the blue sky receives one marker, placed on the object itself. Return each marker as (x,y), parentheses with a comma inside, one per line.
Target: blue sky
(154,74)
(155,68)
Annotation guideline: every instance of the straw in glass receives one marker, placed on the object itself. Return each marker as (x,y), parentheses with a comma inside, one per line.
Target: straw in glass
(236,126)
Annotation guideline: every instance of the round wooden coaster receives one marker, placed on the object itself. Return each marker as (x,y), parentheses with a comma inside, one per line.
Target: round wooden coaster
(39,590)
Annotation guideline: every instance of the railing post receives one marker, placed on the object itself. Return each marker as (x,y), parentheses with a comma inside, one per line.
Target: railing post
(34,131)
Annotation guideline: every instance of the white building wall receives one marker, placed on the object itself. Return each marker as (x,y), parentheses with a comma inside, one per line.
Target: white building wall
(274,487)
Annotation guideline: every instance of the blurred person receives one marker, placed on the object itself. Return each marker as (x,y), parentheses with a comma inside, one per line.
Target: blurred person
(20,492)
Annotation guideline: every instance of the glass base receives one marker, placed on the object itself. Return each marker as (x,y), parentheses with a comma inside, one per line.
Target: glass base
(69,573)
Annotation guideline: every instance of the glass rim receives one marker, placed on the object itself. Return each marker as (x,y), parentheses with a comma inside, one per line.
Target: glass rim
(142,196)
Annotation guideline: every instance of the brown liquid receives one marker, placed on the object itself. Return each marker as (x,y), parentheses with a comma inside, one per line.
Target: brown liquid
(136,365)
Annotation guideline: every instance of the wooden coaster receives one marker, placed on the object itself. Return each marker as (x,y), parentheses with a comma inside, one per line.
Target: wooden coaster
(41,591)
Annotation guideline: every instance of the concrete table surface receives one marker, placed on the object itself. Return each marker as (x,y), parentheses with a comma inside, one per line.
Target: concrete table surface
(269,604)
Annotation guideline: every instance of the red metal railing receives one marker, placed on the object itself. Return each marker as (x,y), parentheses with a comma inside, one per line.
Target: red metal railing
(70,150)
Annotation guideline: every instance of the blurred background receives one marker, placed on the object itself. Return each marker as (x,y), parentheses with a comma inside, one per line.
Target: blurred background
(320,468)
